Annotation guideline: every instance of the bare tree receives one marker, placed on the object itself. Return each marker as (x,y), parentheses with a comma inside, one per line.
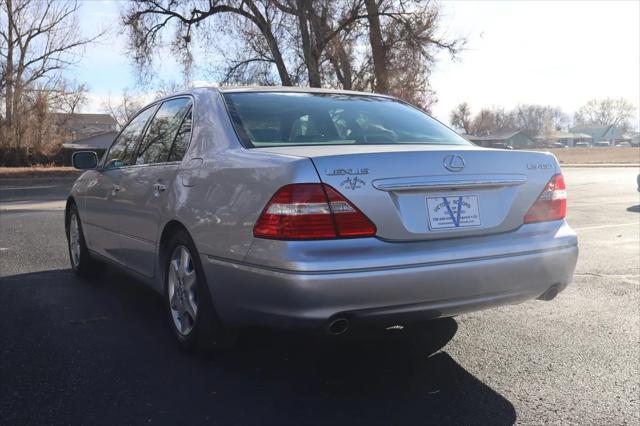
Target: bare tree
(378,51)
(244,56)
(123,108)
(68,96)
(490,120)
(340,53)
(534,120)
(314,36)
(322,27)
(39,130)
(406,45)
(3,58)
(39,39)
(460,117)
(538,120)
(319,43)
(166,88)
(145,21)
(606,112)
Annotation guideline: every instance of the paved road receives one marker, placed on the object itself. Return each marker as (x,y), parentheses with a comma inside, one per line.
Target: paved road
(99,351)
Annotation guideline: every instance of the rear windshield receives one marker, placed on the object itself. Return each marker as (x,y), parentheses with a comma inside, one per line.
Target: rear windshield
(264,119)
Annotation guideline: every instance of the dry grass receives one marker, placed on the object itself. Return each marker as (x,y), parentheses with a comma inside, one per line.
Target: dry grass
(565,155)
(596,155)
(37,171)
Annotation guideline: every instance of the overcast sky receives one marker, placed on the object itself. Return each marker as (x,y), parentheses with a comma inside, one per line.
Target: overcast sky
(543,52)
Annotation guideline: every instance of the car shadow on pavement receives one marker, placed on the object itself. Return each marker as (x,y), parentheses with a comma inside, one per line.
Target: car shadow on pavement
(100,351)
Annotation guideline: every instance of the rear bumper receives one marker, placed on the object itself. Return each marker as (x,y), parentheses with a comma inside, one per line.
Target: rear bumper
(246,293)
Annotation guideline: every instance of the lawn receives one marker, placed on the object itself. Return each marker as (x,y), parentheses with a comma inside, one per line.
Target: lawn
(37,171)
(596,155)
(565,156)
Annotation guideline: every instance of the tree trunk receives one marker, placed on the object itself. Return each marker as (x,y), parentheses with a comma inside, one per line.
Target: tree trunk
(345,63)
(341,64)
(285,79)
(267,33)
(377,48)
(9,71)
(310,60)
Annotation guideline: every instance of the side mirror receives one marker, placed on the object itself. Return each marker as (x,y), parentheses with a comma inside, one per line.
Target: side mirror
(84,160)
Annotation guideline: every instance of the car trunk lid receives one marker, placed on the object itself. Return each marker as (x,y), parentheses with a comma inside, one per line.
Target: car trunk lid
(413,192)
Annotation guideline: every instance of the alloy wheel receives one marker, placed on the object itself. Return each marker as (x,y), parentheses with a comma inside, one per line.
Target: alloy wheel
(182,286)
(74,240)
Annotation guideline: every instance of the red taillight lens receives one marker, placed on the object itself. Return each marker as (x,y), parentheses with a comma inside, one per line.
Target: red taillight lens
(551,204)
(350,222)
(307,211)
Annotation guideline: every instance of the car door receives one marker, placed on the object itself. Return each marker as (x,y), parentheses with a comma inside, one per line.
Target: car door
(100,215)
(146,193)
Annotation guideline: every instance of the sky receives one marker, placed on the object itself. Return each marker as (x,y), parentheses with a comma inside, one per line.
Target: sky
(560,53)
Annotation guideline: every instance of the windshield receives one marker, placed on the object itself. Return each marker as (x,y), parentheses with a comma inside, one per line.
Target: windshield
(264,119)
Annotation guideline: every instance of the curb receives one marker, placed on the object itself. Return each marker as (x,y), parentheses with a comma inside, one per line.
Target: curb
(37,178)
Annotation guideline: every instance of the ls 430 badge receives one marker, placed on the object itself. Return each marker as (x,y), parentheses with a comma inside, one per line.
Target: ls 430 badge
(539,166)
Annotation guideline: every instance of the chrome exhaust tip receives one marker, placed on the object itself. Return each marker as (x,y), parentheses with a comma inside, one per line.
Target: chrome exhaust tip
(338,326)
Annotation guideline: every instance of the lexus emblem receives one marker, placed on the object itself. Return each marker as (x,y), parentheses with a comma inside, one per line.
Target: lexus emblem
(453,162)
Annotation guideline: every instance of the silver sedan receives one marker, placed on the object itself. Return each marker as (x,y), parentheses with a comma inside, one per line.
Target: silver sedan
(316,209)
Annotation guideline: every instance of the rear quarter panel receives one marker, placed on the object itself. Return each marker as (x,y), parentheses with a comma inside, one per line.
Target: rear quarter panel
(228,193)
(222,187)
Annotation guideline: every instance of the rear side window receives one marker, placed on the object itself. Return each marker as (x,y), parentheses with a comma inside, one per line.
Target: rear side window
(122,151)
(161,134)
(181,143)
(287,119)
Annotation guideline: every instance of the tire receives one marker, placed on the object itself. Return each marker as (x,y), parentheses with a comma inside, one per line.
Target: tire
(192,316)
(81,261)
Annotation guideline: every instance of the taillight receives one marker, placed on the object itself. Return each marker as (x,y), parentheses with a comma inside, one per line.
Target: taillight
(305,211)
(551,204)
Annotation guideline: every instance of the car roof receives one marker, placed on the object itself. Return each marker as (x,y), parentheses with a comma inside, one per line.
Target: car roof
(293,89)
(195,91)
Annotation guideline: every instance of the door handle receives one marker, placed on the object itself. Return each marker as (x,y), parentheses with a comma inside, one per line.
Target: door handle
(115,189)
(158,188)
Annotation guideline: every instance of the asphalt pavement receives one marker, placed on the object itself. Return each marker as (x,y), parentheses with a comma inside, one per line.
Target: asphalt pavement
(100,351)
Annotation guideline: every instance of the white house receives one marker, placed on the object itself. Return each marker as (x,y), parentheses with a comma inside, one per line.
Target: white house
(609,134)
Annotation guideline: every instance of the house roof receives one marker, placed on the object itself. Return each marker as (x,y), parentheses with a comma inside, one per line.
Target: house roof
(497,136)
(593,130)
(568,135)
(98,141)
(85,118)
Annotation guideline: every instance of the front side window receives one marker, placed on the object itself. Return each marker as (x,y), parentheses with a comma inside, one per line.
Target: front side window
(157,142)
(121,152)
(286,119)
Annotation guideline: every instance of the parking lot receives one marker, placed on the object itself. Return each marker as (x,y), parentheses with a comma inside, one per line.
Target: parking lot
(100,351)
